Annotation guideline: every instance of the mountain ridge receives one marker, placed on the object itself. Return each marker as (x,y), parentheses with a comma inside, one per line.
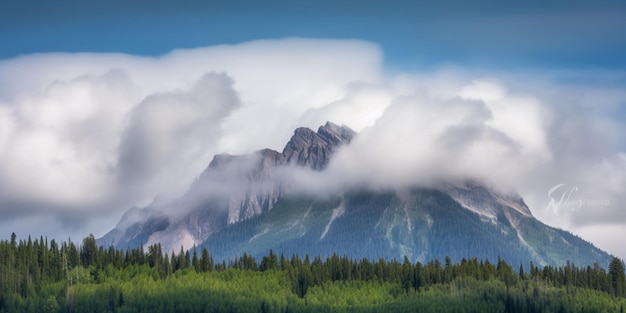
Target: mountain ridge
(306,148)
(242,204)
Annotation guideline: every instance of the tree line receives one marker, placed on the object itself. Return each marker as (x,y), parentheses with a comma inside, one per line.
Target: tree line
(42,275)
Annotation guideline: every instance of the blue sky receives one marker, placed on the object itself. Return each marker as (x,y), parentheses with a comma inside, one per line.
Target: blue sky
(413,34)
(551,76)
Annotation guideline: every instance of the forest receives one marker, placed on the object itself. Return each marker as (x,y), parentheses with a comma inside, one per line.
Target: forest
(37,275)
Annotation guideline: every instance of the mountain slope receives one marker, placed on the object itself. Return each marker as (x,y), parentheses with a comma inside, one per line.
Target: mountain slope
(242,204)
(421,224)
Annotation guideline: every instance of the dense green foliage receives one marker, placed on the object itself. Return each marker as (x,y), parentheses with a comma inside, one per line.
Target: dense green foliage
(41,276)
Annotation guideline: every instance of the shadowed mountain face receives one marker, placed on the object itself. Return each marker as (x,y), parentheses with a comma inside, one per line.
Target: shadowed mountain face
(244,204)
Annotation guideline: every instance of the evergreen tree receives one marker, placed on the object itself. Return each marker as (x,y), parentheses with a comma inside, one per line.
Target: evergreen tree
(195,262)
(206,261)
(36,276)
(89,251)
(618,279)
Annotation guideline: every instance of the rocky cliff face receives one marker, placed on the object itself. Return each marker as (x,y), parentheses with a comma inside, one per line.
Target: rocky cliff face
(232,189)
(254,186)
(310,149)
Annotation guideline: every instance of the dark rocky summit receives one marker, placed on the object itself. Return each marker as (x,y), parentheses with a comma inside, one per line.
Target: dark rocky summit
(310,149)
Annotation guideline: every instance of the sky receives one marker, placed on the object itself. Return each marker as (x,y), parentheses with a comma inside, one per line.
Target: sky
(109,105)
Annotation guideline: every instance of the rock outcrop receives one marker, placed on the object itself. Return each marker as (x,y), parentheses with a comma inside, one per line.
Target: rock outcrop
(310,149)
(232,189)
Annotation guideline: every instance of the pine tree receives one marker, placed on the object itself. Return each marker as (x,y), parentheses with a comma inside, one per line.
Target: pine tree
(618,278)
(206,262)
(89,251)
(195,262)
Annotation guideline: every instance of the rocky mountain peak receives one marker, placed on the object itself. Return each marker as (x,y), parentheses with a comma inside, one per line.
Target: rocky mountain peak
(313,149)
(250,179)
(335,133)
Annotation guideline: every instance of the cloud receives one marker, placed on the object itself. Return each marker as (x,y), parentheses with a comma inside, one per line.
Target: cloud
(85,136)
(510,134)
(419,139)
(169,135)
(60,147)
(362,105)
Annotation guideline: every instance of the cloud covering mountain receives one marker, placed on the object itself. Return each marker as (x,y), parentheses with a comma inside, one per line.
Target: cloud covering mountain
(85,136)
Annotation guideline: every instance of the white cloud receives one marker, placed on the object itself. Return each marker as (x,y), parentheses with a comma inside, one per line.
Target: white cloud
(89,135)
(483,90)
(64,138)
(525,138)
(171,137)
(76,130)
(419,139)
(361,106)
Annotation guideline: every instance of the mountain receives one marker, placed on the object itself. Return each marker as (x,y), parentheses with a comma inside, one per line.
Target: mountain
(246,204)
(232,189)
